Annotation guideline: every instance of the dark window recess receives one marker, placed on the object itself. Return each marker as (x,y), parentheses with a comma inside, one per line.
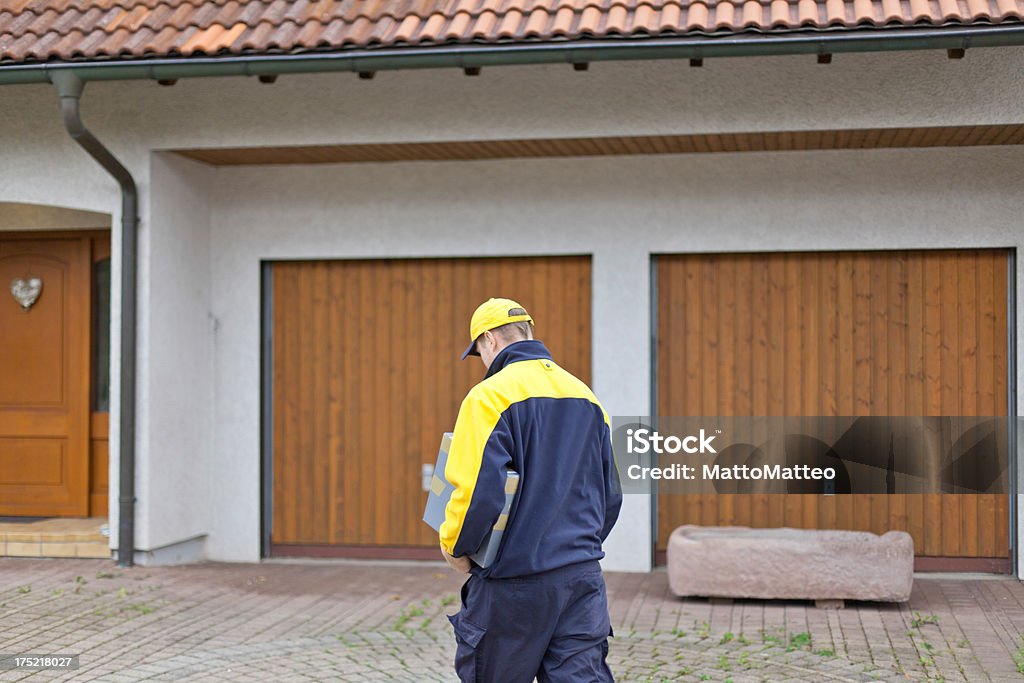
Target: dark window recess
(101,336)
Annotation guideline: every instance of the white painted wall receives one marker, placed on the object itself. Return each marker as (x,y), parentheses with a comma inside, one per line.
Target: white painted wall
(204,231)
(174,418)
(620,210)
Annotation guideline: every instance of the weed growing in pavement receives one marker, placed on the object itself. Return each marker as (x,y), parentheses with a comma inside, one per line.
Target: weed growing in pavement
(403,622)
(1018,657)
(403,618)
(798,641)
(918,621)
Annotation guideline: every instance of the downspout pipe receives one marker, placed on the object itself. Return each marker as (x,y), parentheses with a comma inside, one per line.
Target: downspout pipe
(69,88)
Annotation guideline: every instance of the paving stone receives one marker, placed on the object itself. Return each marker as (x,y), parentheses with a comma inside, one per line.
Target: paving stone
(365,621)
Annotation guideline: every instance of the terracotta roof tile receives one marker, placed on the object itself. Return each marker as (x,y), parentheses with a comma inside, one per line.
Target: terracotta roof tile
(485,24)
(32,30)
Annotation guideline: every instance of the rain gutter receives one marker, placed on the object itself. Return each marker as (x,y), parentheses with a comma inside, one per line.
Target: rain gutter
(69,87)
(829,41)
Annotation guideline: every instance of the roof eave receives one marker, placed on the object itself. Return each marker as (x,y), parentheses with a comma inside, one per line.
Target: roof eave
(749,44)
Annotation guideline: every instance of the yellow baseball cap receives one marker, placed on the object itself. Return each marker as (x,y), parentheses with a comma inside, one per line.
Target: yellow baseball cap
(490,314)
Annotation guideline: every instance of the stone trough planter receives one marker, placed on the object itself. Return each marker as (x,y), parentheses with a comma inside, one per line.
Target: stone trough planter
(826,566)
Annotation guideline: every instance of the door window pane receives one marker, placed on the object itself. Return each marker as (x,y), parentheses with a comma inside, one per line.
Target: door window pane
(101,336)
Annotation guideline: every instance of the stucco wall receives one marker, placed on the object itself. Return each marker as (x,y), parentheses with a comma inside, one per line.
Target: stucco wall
(176,484)
(204,231)
(632,98)
(619,210)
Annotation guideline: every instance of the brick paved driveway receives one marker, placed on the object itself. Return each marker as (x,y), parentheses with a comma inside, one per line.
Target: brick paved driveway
(362,622)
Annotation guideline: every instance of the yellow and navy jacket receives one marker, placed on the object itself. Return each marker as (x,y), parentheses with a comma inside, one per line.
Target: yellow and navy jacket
(530,415)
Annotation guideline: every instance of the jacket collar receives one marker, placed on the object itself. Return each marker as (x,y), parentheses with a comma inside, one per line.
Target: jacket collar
(527,349)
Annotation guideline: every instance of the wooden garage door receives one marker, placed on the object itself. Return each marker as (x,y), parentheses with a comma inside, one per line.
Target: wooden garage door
(866,333)
(366,377)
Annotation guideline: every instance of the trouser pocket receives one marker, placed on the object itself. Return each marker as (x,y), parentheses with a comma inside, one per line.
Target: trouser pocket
(467,640)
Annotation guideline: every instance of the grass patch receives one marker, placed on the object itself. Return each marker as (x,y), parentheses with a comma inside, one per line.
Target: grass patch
(918,621)
(141,608)
(1018,657)
(798,641)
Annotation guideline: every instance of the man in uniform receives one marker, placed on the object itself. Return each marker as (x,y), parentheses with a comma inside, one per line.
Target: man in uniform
(540,609)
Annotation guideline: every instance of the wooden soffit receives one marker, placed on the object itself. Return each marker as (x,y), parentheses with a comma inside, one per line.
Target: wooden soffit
(872,138)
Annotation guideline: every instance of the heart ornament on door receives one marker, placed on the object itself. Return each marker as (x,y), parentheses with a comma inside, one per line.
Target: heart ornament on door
(26,291)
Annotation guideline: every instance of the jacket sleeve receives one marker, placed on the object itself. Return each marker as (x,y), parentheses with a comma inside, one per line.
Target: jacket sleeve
(480,453)
(612,485)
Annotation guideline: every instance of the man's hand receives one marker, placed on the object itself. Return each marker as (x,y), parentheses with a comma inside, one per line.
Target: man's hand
(459,564)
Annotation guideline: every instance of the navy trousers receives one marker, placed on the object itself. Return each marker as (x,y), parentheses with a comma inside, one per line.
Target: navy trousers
(553,626)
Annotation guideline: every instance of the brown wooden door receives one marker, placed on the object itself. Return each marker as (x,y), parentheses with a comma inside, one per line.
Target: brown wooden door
(366,377)
(851,333)
(44,378)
